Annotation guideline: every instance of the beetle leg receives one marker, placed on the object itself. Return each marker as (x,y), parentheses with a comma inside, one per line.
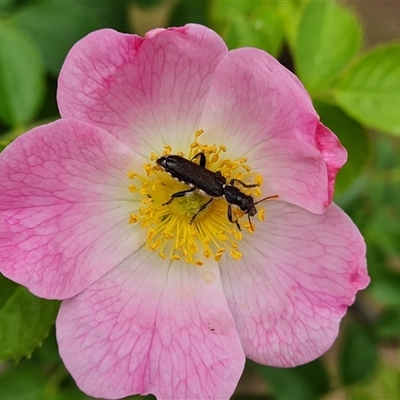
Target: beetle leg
(251,224)
(232,181)
(203,207)
(231,219)
(202,159)
(179,194)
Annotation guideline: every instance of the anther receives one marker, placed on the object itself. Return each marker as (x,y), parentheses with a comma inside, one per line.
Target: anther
(236,255)
(132,218)
(132,175)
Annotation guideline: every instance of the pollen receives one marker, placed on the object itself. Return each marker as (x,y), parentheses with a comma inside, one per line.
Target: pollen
(192,227)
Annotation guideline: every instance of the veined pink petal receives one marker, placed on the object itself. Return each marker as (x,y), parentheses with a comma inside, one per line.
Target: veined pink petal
(299,274)
(149,327)
(259,109)
(64,207)
(332,152)
(147,92)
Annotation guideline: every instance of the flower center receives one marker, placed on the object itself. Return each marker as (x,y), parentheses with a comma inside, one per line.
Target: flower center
(184,222)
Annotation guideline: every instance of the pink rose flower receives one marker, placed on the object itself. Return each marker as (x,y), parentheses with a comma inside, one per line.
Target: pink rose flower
(160,298)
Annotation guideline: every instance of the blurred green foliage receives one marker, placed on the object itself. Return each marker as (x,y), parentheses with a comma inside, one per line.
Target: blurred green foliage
(21,76)
(353,90)
(328,37)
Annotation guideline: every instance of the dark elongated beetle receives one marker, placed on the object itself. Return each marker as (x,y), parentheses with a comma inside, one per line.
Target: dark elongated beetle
(213,184)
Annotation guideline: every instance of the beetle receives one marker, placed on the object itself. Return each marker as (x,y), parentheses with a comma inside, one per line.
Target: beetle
(208,182)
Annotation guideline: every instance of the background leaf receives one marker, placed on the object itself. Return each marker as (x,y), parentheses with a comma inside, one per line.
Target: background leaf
(255,24)
(388,325)
(145,3)
(370,89)
(5,4)
(25,320)
(290,12)
(307,382)
(21,77)
(185,12)
(23,383)
(55,26)
(358,355)
(328,37)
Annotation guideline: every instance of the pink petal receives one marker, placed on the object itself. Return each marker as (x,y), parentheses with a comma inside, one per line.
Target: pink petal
(147,92)
(259,109)
(152,327)
(299,274)
(64,207)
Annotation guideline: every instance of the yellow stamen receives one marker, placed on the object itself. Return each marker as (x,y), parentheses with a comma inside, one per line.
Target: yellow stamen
(199,132)
(132,175)
(236,255)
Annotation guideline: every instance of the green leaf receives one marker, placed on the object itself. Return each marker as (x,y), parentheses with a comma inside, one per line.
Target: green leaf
(308,382)
(23,382)
(54,27)
(387,290)
(145,3)
(353,137)
(223,10)
(189,11)
(21,77)
(5,4)
(54,382)
(255,24)
(42,377)
(25,320)
(68,393)
(290,12)
(370,89)
(383,385)
(328,38)
(358,355)
(383,228)
(388,324)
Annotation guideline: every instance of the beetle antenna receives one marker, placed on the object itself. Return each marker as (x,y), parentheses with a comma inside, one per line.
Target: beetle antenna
(274,196)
